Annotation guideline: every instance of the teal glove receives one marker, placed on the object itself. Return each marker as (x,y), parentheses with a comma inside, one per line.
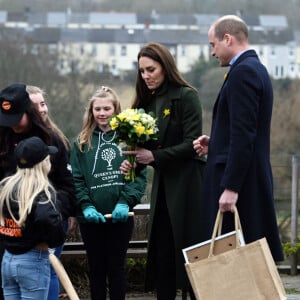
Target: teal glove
(92,215)
(120,213)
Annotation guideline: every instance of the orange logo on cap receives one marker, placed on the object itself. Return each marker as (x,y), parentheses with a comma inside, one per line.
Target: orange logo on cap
(6,105)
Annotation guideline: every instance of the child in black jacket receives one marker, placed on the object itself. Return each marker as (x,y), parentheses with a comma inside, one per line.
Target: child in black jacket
(29,222)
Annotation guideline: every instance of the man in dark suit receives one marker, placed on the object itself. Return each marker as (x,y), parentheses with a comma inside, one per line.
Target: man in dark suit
(238,170)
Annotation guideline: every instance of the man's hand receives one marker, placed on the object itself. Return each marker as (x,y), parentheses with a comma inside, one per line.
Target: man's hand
(228,201)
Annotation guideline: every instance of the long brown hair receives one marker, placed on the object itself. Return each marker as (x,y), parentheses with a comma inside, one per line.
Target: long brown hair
(32,90)
(163,56)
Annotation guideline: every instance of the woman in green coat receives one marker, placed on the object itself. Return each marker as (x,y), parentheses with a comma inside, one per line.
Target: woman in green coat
(178,172)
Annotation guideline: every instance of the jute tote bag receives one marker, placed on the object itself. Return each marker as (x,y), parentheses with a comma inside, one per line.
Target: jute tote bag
(244,273)
(222,243)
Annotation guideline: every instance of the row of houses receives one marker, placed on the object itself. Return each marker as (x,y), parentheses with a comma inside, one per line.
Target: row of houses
(153,20)
(109,42)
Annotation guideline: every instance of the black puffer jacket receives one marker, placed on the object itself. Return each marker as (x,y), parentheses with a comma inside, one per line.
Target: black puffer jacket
(43,225)
(60,174)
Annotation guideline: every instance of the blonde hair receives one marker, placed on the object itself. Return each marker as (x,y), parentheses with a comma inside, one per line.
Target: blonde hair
(22,188)
(33,90)
(89,124)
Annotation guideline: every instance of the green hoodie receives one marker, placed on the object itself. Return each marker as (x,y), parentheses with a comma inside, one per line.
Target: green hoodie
(98,179)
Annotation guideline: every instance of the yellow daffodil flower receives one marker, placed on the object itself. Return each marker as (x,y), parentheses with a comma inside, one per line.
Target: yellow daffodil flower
(166,112)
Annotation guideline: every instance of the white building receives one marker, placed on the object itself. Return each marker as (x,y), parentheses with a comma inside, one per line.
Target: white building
(109,42)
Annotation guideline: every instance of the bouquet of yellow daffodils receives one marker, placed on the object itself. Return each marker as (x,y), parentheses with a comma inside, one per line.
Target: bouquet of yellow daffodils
(133,126)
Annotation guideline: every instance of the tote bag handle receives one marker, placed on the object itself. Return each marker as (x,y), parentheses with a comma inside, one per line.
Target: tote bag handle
(218,228)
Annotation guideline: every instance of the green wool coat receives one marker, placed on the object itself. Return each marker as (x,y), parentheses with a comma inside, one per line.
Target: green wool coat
(180,170)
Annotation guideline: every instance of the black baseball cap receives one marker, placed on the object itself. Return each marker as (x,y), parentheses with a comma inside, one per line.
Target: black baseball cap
(14,101)
(31,151)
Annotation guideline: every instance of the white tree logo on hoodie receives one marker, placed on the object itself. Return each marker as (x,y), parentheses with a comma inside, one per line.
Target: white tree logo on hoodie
(108,154)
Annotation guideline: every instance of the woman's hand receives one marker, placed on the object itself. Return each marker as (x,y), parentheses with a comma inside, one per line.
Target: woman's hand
(142,155)
(201,145)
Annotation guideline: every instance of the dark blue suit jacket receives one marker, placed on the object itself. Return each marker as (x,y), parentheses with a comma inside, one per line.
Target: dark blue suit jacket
(239,152)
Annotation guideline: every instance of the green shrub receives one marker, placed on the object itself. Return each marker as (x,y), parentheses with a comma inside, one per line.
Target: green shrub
(290,249)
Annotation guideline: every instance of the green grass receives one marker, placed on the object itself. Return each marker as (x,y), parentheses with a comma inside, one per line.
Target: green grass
(292,291)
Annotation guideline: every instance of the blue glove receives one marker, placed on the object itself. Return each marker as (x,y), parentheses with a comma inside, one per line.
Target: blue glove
(120,213)
(92,215)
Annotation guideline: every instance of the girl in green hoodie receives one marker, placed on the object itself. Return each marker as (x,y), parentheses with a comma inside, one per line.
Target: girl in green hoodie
(101,189)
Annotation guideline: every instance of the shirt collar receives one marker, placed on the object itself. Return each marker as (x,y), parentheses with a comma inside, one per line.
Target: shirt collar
(234,59)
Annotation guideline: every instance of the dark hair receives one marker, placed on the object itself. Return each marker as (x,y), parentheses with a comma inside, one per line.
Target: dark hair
(33,90)
(163,56)
(37,127)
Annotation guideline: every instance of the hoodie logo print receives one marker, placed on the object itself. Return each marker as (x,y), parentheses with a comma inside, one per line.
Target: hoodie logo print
(108,155)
